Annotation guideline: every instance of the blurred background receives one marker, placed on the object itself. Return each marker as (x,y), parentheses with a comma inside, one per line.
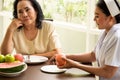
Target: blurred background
(73,20)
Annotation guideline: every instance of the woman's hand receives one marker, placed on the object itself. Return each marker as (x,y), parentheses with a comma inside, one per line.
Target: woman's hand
(52,60)
(15,24)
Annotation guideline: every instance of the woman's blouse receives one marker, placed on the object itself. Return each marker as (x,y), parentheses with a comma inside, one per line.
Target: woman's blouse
(46,40)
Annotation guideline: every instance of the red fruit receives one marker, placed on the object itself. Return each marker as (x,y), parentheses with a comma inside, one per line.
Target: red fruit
(59,60)
(19,57)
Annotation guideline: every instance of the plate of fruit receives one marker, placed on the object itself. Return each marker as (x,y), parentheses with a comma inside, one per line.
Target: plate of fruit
(12,65)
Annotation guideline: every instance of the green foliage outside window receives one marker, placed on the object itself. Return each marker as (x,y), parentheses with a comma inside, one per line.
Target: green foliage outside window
(66,10)
(8,5)
(61,10)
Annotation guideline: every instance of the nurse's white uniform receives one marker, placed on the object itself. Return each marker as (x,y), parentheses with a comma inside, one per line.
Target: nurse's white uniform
(107,50)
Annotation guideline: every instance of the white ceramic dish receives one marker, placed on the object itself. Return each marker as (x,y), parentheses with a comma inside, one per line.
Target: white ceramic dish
(76,72)
(52,69)
(34,59)
(13,74)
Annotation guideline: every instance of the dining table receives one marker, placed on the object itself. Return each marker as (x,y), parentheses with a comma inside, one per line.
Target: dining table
(33,72)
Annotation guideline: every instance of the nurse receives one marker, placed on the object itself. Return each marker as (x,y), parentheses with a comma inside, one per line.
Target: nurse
(107,50)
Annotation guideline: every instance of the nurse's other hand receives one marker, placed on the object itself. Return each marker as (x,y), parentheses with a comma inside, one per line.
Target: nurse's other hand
(52,61)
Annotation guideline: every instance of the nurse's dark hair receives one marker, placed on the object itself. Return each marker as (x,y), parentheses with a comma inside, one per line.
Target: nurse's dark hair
(36,6)
(101,4)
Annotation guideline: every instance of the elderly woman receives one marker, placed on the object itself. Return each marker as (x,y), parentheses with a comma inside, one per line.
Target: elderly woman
(29,33)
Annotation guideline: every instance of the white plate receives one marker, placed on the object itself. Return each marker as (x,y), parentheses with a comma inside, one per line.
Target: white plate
(13,74)
(34,59)
(76,72)
(52,69)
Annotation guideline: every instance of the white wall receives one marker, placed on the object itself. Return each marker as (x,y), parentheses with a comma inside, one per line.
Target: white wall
(4,22)
(76,38)
(72,41)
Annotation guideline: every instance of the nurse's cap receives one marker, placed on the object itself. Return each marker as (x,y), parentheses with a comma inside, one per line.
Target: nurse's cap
(112,7)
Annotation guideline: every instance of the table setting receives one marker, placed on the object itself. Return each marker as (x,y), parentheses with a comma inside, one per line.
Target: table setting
(36,68)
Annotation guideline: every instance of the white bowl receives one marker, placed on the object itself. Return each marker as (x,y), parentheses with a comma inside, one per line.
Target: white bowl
(15,73)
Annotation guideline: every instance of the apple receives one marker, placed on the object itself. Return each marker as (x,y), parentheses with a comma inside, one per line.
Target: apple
(2,58)
(59,60)
(9,58)
(19,57)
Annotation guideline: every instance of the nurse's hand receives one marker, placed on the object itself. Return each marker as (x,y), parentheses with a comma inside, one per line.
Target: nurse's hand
(69,63)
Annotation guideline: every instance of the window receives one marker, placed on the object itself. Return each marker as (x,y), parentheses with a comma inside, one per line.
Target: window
(71,11)
(74,11)
(8,5)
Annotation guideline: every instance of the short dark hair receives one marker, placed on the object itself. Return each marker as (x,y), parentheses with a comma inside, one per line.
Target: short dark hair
(101,4)
(38,9)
